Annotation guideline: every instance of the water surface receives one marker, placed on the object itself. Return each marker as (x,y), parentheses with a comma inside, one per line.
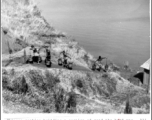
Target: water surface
(117,29)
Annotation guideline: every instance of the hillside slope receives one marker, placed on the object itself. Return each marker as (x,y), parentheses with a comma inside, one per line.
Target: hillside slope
(96,93)
(25,26)
(34,89)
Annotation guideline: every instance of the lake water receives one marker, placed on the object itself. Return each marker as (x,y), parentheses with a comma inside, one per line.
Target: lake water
(117,29)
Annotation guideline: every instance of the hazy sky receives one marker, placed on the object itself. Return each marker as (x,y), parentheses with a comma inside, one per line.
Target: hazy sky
(109,9)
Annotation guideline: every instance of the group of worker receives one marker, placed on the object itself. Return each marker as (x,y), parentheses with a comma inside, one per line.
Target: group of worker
(35,56)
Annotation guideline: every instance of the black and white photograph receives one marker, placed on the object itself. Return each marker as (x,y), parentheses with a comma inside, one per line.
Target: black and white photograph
(76,57)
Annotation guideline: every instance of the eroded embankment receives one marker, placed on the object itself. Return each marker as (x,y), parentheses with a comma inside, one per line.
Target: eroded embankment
(95,93)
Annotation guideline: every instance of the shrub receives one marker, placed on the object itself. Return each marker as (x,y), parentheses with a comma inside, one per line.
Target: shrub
(79,84)
(65,102)
(139,101)
(71,102)
(37,80)
(20,86)
(105,75)
(4,72)
(60,101)
(51,80)
(5,81)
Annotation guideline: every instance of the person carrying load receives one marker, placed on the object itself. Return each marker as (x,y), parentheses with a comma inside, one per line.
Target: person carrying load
(31,50)
(63,58)
(48,62)
(99,60)
(48,53)
(36,55)
(97,63)
(30,59)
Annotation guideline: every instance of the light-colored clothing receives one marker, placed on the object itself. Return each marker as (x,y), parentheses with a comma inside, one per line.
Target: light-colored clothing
(31,52)
(36,54)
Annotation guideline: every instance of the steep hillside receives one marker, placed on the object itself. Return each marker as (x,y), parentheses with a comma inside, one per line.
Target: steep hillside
(95,93)
(22,21)
(37,89)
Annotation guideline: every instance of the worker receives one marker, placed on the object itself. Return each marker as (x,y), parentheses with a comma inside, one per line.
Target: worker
(48,53)
(31,50)
(64,56)
(36,55)
(30,59)
(99,60)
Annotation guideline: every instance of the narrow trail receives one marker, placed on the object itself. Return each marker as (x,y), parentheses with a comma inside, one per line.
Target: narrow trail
(74,68)
(19,62)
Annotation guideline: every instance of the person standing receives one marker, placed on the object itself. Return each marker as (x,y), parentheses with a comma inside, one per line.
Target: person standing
(48,57)
(98,61)
(31,50)
(30,59)
(48,53)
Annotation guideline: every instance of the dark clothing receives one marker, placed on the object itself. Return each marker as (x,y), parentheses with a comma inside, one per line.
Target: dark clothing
(65,61)
(35,59)
(48,57)
(35,50)
(100,59)
(48,54)
(65,55)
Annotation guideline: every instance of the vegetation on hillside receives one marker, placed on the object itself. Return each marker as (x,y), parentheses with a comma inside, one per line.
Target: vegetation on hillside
(25,24)
(34,89)
(49,91)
